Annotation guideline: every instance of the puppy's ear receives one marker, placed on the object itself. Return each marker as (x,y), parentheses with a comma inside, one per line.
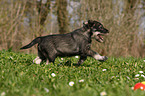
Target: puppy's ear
(85,24)
(91,23)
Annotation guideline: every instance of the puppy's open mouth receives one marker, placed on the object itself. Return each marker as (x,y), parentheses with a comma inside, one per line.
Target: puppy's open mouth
(98,37)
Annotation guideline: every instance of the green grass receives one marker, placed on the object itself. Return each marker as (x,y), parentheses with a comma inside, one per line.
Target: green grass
(20,77)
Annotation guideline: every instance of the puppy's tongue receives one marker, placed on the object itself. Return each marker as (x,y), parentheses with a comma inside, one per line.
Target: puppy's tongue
(100,37)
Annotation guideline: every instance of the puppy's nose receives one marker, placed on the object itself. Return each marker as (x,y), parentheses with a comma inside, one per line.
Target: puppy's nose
(107,31)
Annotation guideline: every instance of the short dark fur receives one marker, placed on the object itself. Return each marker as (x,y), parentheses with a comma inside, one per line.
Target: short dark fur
(75,43)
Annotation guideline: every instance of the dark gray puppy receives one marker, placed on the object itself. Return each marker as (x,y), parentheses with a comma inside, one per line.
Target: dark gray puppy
(75,43)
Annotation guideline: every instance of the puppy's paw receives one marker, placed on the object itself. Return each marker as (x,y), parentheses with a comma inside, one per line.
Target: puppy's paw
(37,60)
(104,58)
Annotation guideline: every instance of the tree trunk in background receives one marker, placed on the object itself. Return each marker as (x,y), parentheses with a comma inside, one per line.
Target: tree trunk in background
(62,16)
(130,8)
(43,10)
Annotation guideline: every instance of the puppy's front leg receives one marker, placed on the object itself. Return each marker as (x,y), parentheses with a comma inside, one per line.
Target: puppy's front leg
(100,58)
(96,56)
(82,59)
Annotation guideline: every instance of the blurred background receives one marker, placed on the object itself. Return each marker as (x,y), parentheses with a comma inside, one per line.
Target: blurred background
(23,20)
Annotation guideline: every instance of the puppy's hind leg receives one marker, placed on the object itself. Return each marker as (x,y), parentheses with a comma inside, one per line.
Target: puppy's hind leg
(37,60)
(51,55)
(40,58)
(50,59)
(47,62)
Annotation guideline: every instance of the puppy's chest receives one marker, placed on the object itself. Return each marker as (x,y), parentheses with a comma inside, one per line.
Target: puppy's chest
(86,46)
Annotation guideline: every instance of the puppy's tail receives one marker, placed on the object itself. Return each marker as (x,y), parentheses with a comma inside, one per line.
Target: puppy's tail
(35,41)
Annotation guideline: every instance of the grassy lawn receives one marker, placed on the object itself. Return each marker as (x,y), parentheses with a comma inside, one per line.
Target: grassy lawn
(116,76)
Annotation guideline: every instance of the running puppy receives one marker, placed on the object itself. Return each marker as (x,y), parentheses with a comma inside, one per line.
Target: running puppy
(75,43)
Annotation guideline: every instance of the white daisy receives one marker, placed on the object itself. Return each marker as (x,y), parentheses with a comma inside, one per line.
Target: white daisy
(53,75)
(136,78)
(127,77)
(37,60)
(142,76)
(76,56)
(112,77)
(82,80)
(47,90)
(132,88)
(71,83)
(140,71)
(137,75)
(103,93)
(104,69)
(3,94)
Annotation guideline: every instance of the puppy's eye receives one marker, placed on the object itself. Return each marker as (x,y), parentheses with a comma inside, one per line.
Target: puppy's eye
(100,27)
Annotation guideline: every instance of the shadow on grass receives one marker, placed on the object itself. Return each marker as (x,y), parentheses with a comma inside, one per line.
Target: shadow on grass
(70,64)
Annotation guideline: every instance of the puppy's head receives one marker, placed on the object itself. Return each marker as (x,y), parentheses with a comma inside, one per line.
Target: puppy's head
(97,29)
